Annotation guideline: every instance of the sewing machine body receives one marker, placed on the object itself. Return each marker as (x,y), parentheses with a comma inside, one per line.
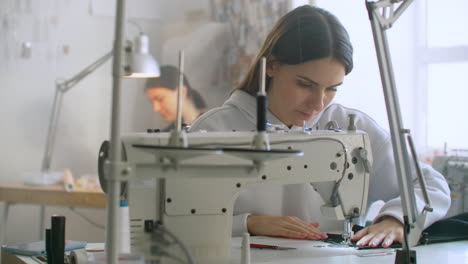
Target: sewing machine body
(193,193)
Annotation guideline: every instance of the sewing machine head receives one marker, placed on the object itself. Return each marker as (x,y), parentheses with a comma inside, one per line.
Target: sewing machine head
(191,191)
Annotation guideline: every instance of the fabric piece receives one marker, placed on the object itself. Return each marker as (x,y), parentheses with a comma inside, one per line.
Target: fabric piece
(454,228)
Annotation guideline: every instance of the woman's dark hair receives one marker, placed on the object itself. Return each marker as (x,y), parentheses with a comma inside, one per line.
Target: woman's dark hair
(169,78)
(305,33)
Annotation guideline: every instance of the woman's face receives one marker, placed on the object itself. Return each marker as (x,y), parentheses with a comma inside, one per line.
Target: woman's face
(164,101)
(298,92)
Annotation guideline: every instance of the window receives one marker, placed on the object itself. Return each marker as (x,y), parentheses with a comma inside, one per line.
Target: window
(447,94)
(442,57)
(446,23)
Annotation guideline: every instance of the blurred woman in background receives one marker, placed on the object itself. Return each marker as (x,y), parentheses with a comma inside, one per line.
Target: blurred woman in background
(162,92)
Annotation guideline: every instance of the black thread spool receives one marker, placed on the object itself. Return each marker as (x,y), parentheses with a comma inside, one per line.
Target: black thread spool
(262,99)
(58,239)
(261,112)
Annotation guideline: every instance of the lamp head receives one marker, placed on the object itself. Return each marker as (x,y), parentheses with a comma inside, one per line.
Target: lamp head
(141,63)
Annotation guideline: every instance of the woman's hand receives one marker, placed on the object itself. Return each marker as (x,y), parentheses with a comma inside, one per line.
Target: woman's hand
(283,226)
(385,232)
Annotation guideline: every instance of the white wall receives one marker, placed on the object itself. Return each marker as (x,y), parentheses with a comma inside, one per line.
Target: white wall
(26,94)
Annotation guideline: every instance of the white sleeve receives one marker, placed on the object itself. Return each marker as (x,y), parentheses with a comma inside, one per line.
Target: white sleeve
(384,184)
(205,123)
(239,224)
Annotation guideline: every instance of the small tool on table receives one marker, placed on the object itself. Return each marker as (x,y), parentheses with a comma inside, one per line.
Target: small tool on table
(262,246)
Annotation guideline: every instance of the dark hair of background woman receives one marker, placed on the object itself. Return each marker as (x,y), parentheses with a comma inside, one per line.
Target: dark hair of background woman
(305,33)
(169,79)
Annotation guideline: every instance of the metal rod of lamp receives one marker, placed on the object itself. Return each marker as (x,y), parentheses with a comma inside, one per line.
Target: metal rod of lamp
(113,181)
(179,91)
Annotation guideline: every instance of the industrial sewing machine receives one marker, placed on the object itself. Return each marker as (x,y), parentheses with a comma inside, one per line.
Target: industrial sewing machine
(455,170)
(191,191)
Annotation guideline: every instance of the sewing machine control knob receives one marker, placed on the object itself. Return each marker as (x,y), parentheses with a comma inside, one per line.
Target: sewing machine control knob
(363,155)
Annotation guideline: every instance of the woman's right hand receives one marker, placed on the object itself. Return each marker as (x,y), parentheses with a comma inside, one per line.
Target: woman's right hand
(283,226)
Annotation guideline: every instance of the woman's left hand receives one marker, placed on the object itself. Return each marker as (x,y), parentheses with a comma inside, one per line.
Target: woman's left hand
(385,232)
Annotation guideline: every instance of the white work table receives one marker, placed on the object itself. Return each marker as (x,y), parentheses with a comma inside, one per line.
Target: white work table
(309,252)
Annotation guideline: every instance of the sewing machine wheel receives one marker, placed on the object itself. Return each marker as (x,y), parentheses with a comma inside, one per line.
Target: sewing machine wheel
(103,156)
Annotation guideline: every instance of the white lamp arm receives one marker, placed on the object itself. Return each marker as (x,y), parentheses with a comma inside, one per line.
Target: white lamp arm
(68,84)
(389,14)
(61,87)
(382,15)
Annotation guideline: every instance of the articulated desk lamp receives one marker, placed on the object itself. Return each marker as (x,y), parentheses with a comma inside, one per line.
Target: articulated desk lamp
(140,63)
(382,15)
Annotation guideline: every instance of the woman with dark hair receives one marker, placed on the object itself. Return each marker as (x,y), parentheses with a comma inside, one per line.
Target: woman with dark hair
(308,54)
(162,92)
